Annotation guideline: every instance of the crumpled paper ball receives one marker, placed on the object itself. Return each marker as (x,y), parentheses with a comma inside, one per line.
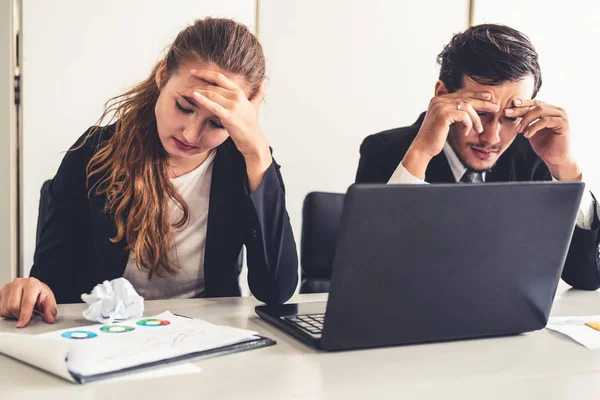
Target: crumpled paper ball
(112,301)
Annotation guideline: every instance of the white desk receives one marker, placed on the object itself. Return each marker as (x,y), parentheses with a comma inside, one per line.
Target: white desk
(539,365)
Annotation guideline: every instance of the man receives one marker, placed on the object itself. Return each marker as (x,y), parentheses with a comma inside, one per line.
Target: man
(483,125)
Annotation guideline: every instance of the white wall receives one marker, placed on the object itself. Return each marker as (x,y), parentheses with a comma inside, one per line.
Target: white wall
(8,146)
(566,35)
(78,54)
(341,70)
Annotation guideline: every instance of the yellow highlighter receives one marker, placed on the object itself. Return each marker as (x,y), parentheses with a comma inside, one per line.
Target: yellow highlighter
(593,325)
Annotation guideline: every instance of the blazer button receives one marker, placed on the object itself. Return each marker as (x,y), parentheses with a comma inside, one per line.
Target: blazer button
(254,233)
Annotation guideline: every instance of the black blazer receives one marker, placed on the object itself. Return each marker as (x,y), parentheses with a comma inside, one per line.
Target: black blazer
(74,252)
(381,153)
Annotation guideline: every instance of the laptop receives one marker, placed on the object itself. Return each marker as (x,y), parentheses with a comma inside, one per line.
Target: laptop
(428,263)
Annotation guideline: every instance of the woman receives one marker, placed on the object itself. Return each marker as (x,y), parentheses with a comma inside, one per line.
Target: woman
(167,195)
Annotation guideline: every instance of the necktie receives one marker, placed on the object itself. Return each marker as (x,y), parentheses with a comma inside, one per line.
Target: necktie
(472,177)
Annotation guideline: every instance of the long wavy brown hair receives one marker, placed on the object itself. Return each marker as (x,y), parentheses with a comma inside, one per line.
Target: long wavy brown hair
(131,167)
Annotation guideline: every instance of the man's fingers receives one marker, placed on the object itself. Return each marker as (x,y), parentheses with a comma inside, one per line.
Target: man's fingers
(475,95)
(518,112)
(483,106)
(542,123)
(528,118)
(468,108)
(463,121)
(530,113)
(527,103)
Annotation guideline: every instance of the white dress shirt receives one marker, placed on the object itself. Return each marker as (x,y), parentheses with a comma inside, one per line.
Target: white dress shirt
(190,241)
(585,215)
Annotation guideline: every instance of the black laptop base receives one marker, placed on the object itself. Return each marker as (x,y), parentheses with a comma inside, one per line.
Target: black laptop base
(280,315)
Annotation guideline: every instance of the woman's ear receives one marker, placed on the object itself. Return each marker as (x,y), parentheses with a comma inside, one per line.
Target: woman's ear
(440,88)
(160,74)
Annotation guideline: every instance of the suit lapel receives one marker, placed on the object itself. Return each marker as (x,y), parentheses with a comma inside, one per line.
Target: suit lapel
(114,255)
(504,170)
(219,217)
(439,171)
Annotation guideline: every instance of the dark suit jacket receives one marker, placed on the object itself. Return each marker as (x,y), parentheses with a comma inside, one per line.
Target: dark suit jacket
(74,252)
(381,153)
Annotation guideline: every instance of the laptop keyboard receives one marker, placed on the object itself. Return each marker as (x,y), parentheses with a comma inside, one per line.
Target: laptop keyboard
(310,323)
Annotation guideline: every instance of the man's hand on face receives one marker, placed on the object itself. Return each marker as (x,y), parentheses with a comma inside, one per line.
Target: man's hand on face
(547,128)
(458,108)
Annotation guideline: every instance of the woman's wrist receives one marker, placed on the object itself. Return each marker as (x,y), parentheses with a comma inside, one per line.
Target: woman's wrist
(257,164)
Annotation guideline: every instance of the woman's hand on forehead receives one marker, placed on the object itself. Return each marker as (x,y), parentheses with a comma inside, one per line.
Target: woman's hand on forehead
(205,77)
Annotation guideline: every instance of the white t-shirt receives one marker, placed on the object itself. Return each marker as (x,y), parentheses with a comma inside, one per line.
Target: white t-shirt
(190,241)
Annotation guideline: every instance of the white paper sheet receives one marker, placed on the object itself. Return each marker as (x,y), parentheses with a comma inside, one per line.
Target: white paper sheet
(96,349)
(44,353)
(174,370)
(584,330)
